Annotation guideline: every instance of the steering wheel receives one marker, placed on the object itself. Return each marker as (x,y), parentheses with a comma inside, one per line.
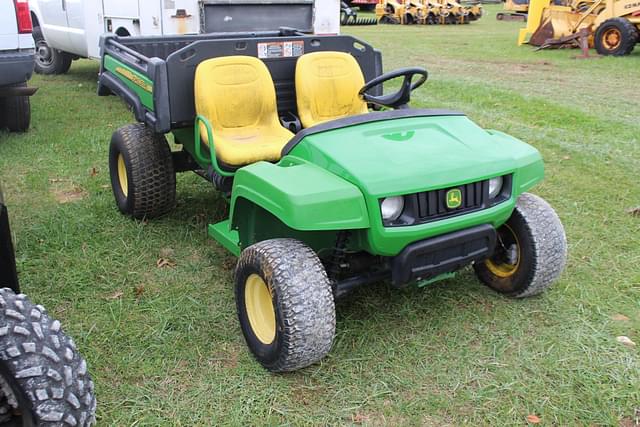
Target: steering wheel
(401,98)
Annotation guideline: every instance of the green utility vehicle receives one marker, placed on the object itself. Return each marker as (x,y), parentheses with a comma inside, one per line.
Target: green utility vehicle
(325,195)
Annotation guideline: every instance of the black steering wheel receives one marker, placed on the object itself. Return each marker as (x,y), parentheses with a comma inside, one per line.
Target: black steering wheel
(401,98)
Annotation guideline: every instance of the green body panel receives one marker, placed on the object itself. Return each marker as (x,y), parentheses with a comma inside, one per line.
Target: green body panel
(136,81)
(303,196)
(334,181)
(225,236)
(410,155)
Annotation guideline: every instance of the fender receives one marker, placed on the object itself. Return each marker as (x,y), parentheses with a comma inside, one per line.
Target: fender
(303,196)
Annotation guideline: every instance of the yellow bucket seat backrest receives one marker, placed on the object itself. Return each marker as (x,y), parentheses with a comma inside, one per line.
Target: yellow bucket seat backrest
(327,85)
(237,96)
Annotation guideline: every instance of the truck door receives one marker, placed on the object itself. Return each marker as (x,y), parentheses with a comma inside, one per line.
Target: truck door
(53,22)
(77,26)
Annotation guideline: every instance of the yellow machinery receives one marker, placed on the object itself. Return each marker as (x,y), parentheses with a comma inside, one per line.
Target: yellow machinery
(475,11)
(426,12)
(514,10)
(390,12)
(611,26)
(458,14)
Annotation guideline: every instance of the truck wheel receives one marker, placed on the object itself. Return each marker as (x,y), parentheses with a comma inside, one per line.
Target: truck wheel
(285,304)
(43,378)
(48,59)
(530,253)
(615,36)
(142,175)
(15,112)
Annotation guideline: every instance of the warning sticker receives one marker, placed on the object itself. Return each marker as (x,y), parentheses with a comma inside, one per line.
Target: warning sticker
(287,49)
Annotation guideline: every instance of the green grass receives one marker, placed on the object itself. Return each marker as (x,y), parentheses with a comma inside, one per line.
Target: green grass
(164,345)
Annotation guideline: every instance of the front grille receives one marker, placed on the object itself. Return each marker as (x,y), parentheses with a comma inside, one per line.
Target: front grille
(433,204)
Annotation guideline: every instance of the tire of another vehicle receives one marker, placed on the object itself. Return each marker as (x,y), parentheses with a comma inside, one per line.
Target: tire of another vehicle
(142,174)
(43,379)
(15,112)
(49,60)
(616,36)
(531,250)
(285,304)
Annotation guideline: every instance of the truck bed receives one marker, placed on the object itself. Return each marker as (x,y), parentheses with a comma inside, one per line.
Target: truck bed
(154,75)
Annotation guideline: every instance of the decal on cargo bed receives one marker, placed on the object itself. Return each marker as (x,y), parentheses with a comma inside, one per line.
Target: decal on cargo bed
(135,79)
(280,49)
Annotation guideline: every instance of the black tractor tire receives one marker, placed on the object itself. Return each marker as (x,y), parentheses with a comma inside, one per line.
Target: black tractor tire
(616,37)
(15,112)
(294,326)
(43,379)
(531,250)
(143,178)
(48,59)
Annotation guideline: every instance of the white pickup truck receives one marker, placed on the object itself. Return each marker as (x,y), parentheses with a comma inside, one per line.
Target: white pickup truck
(65,30)
(16,64)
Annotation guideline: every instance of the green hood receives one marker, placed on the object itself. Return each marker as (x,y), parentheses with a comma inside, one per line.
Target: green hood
(414,154)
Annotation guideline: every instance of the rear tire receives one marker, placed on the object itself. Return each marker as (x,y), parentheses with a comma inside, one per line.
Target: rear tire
(616,37)
(15,112)
(531,250)
(48,59)
(285,304)
(142,174)
(43,379)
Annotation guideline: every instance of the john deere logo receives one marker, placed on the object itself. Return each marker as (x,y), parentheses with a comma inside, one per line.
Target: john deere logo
(454,198)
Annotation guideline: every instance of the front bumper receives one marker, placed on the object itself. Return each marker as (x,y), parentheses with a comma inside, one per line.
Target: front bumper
(442,254)
(16,66)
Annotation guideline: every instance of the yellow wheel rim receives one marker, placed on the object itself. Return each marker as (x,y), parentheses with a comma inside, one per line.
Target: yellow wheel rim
(260,311)
(122,176)
(612,38)
(496,264)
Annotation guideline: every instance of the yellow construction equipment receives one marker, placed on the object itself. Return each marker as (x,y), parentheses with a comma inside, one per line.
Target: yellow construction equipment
(426,12)
(458,14)
(390,12)
(475,11)
(611,26)
(514,10)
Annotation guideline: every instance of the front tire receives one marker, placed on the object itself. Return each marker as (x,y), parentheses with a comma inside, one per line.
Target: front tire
(15,112)
(48,59)
(43,378)
(615,36)
(531,250)
(143,179)
(285,304)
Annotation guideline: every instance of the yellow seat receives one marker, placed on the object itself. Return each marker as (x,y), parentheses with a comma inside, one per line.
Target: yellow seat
(236,95)
(327,85)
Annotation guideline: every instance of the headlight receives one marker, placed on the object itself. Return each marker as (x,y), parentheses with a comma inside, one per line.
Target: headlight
(495,185)
(392,207)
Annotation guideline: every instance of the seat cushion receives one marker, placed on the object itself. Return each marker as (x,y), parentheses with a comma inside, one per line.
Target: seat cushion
(237,96)
(242,146)
(327,85)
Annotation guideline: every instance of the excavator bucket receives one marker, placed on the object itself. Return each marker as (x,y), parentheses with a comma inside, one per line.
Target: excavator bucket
(553,23)
(557,22)
(534,19)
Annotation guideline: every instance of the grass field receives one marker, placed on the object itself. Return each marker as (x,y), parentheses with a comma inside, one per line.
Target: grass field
(164,345)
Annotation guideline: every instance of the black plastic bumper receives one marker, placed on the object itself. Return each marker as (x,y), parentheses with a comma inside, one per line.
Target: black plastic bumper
(8,273)
(16,66)
(442,254)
